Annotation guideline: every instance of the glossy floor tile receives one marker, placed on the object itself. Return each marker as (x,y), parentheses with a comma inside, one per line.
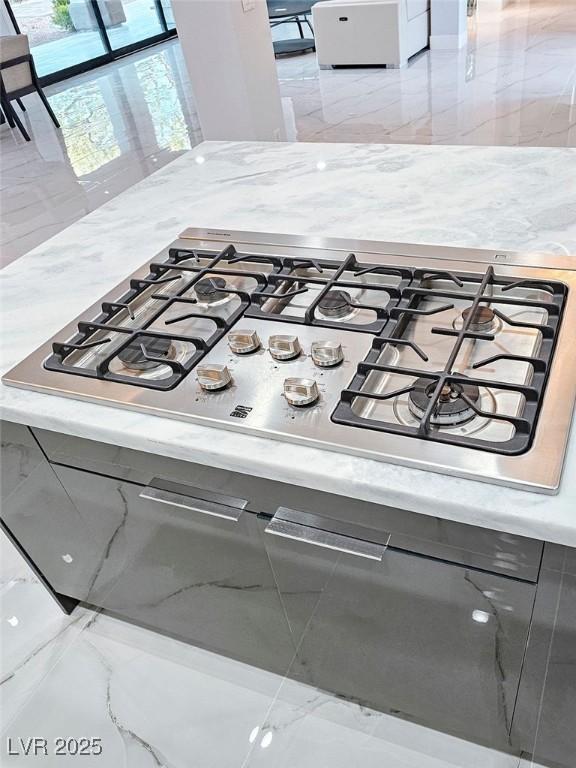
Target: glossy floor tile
(119,124)
(514,84)
(153,701)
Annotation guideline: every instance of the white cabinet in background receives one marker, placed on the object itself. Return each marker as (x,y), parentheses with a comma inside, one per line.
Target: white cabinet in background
(370,32)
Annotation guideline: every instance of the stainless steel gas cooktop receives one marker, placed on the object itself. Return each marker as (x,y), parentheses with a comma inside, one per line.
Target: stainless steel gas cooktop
(453,360)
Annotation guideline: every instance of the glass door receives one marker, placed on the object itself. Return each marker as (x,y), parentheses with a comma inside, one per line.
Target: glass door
(129,22)
(168,13)
(70,36)
(62,33)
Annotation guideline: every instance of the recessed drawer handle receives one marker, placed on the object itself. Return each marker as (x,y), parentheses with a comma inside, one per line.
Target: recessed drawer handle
(319,537)
(170,494)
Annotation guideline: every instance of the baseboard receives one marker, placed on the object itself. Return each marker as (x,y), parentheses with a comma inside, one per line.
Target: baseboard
(448,42)
(497,5)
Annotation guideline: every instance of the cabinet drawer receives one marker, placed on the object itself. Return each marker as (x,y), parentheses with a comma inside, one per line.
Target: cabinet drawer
(454,542)
(182,565)
(435,643)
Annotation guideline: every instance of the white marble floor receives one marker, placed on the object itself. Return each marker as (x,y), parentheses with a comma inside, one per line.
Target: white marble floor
(119,124)
(514,84)
(153,701)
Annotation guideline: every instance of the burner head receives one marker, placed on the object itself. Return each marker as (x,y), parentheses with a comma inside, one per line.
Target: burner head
(335,303)
(207,289)
(133,358)
(451,408)
(482,319)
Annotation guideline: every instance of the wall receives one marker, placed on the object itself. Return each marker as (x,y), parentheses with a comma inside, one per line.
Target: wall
(228,50)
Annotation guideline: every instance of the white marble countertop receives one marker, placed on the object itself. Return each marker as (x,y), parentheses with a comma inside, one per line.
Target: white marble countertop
(494,197)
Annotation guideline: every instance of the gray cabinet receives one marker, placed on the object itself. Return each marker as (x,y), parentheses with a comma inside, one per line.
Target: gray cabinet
(481,548)
(20,456)
(175,564)
(424,619)
(545,719)
(38,515)
(419,638)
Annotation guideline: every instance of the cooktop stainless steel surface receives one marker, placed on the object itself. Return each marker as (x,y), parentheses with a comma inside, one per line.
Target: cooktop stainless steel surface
(448,359)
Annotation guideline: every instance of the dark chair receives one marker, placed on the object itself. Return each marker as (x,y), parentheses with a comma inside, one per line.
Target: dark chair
(292,12)
(18,78)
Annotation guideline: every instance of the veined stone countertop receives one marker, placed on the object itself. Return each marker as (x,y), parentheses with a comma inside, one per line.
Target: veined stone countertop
(492,197)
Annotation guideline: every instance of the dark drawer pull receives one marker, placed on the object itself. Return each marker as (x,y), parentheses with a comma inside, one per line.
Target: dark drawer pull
(184,497)
(289,524)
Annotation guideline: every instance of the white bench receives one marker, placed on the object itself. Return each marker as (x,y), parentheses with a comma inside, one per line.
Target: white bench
(370,32)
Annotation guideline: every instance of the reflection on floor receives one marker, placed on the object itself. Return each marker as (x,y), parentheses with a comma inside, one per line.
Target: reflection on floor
(119,125)
(153,701)
(514,84)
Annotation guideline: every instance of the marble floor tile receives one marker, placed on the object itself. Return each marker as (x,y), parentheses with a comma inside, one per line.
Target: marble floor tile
(34,636)
(309,728)
(13,568)
(502,89)
(154,701)
(119,124)
(513,85)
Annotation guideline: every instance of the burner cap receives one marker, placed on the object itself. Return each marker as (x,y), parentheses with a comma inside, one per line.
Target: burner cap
(132,357)
(482,320)
(207,289)
(335,303)
(451,408)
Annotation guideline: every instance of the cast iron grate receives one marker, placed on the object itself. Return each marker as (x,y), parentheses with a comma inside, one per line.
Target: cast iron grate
(342,276)
(524,424)
(189,274)
(403,299)
(190,271)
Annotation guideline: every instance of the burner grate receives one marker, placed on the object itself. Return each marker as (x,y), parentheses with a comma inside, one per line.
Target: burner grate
(84,339)
(450,368)
(524,425)
(406,294)
(297,285)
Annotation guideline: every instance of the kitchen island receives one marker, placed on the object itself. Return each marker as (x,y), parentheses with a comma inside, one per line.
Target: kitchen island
(505,198)
(432,584)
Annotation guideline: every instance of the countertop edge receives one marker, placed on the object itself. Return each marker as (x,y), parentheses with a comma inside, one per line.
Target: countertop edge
(442,503)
